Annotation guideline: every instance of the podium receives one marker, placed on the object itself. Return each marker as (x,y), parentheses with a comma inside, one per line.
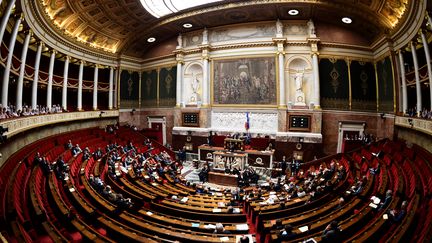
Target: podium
(236,144)
(226,160)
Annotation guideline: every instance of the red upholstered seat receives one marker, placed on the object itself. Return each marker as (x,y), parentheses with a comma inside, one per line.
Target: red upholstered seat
(75,237)
(102,231)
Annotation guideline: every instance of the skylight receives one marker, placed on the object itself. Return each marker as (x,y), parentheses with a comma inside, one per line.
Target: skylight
(160,8)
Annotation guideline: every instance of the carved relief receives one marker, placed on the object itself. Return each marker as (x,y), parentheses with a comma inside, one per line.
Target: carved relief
(236,33)
(266,123)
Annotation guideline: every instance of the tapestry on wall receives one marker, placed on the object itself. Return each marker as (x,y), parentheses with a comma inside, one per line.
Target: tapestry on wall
(363,86)
(129,89)
(149,88)
(334,84)
(385,85)
(245,81)
(167,86)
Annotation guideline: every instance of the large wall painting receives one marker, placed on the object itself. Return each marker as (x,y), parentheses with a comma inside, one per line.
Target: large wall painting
(334,83)
(385,85)
(129,89)
(167,86)
(149,88)
(245,81)
(363,86)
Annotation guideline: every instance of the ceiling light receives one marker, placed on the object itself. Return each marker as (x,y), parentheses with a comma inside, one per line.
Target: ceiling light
(187,25)
(347,20)
(293,12)
(151,39)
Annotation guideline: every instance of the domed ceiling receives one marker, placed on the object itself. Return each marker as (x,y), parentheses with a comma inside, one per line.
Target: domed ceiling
(122,27)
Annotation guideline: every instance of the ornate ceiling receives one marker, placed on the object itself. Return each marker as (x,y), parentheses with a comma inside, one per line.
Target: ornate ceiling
(123,26)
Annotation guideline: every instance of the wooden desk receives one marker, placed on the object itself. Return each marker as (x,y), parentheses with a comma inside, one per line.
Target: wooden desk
(222,179)
(255,158)
(226,160)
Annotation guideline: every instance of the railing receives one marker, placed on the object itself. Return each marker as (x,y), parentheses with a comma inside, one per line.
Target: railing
(18,125)
(421,125)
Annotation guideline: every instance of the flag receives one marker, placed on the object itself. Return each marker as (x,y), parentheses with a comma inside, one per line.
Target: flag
(247,125)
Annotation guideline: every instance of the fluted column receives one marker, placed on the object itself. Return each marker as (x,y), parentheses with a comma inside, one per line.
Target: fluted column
(80,85)
(6,14)
(403,80)
(6,74)
(282,92)
(65,82)
(116,89)
(110,88)
(19,91)
(36,75)
(428,61)
(95,87)
(315,67)
(417,78)
(50,80)
(179,85)
(205,100)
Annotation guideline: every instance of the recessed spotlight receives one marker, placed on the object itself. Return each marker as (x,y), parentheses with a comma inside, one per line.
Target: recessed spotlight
(151,39)
(293,12)
(347,20)
(187,25)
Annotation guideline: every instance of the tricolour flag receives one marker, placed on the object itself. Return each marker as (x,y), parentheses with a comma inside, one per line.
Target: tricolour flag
(247,124)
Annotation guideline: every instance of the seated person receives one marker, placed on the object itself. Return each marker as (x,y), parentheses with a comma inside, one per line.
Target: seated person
(388,198)
(287,233)
(397,215)
(220,229)
(76,150)
(331,233)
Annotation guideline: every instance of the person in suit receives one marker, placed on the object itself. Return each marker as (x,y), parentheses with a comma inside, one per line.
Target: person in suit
(388,198)
(284,165)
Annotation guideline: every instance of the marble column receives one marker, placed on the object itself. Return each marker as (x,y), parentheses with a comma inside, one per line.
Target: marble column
(80,85)
(110,89)
(417,79)
(20,84)
(65,82)
(116,88)
(50,80)
(315,67)
(36,75)
(95,86)
(4,99)
(179,85)
(428,61)
(205,100)
(403,83)
(282,91)
(6,14)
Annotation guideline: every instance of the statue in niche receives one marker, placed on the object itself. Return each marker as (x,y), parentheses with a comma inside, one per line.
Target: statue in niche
(179,41)
(279,28)
(300,96)
(195,84)
(299,81)
(311,28)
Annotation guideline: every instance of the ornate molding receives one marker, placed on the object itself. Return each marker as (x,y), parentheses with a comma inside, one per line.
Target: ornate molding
(421,125)
(19,125)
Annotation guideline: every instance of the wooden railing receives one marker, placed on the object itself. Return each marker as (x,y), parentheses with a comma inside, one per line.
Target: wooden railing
(18,125)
